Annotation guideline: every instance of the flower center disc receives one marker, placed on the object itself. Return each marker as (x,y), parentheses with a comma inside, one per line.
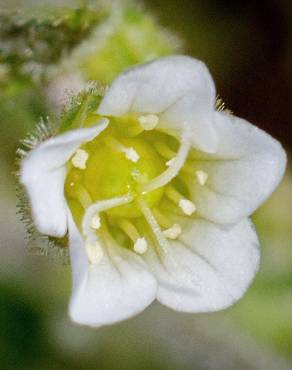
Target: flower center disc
(116,168)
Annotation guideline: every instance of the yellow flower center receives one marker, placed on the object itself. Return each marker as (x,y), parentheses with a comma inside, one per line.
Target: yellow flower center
(111,172)
(124,177)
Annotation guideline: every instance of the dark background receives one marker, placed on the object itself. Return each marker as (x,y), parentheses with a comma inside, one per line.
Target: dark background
(248,48)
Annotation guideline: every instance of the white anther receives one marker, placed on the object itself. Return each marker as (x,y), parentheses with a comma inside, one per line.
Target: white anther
(170,162)
(148,121)
(187,206)
(132,155)
(94,252)
(79,159)
(202,177)
(173,232)
(95,222)
(140,245)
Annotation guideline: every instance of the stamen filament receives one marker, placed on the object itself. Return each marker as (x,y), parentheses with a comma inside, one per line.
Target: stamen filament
(188,169)
(173,194)
(140,243)
(129,229)
(172,231)
(187,206)
(164,150)
(83,196)
(151,220)
(161,218)
(130,153)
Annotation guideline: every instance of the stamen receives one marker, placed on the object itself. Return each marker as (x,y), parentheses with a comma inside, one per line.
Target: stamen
(188,169)
(171,264)
(95,222)
(187,206)
(130,153)
(173,194)
(129,229)
(161,218)
(164,150)
(79,159)
(202,177)
(173,232)
(148,121)
(174,168)
(140,243)
(94,252)
(151,220)
(83,196)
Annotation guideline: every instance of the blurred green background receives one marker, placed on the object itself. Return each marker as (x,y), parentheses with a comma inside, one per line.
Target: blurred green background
(248,48)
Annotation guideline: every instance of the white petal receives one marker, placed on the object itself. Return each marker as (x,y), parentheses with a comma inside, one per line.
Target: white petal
(208,268)
(179,88)
(116,288)
(246,169)
(43,173)
(201,121)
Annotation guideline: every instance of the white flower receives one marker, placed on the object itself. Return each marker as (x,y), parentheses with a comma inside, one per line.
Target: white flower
(158,203)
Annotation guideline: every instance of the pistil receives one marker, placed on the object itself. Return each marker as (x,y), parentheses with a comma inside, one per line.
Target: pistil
(95,209)
(172,171)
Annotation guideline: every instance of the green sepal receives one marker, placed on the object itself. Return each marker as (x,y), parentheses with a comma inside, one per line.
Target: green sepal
(81,111)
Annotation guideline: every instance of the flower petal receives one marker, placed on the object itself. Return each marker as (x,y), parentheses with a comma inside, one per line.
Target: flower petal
(208,268)
(43,173)
(116,288)
(203,134)
(179,88)
(247,167)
